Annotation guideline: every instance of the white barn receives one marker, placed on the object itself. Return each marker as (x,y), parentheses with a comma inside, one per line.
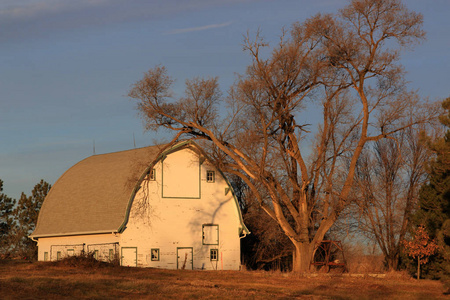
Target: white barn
(149,208)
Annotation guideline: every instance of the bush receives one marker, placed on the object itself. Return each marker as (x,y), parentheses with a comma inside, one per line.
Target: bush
(85,260)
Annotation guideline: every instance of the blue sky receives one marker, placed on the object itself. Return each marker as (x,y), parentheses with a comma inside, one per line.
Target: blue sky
(66,67)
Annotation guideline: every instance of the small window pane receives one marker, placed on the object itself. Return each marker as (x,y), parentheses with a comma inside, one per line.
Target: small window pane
(96,254)
(70,252)
(111,254)
(155,254)
(151,175)
(58,255)
(45,256)
(210,176)
(214,254)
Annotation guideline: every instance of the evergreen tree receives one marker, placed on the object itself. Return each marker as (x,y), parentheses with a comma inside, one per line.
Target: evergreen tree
(6,220)
(26,213)
(434,201)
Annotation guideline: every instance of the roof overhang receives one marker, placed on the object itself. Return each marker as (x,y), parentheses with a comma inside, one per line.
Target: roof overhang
(73,233)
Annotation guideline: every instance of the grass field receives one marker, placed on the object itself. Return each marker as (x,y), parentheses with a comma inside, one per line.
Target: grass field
(81,280)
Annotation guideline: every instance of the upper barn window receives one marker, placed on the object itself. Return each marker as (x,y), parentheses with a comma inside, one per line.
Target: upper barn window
(151,175)
(210,176)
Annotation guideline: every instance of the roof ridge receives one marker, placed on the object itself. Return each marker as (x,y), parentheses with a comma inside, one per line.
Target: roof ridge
(128,150)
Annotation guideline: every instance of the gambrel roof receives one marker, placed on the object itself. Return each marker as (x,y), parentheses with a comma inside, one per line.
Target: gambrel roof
(93,195)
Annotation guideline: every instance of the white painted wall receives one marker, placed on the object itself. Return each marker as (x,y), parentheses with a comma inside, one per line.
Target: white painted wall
(89,243)
(172,224)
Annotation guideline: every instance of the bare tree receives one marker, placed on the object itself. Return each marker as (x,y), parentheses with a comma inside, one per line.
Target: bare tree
(341,62)
(388,178)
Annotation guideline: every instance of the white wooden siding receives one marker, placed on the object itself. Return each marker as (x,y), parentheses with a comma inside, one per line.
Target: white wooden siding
(173,223)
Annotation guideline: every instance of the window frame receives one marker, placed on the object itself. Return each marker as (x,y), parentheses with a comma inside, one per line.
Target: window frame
(96,254)
(157,258)
(210,176)
(214,254)
(151,175)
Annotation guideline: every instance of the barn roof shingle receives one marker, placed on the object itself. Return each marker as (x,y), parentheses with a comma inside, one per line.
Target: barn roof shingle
(93,195)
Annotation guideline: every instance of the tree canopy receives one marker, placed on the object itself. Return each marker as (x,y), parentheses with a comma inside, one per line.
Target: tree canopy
(434,199)
(388,178)
(18,220)
(346,64)
(6,219)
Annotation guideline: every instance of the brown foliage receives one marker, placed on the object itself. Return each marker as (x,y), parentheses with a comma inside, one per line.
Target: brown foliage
(421,247)
(85,260)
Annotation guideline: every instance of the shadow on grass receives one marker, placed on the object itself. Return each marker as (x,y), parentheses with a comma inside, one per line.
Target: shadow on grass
(97,280)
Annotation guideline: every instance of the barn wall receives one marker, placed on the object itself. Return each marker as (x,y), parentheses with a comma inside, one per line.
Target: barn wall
(174,226)
(75,245)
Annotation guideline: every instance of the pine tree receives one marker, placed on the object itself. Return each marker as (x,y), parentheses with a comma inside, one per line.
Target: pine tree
(434,201)
(26,213)
(6,220)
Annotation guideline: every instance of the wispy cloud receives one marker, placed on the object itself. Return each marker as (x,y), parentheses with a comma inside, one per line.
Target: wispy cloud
(34,18)
(200,28)
(35,9)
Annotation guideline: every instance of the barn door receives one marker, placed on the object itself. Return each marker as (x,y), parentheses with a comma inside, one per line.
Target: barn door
(184,259)
(129,257)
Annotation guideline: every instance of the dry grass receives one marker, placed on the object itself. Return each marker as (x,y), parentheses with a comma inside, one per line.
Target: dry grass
(69,280)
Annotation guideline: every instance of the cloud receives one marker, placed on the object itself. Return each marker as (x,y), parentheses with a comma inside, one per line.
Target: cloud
(44,17)
(23,10)
(21,19)
(201,28)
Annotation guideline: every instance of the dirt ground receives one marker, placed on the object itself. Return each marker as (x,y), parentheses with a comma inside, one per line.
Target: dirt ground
(68,280)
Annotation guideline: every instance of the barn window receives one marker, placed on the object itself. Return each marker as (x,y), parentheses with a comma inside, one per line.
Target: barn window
(210,234)
(155,254)
(70,252)
(45,256)
(151,175)
(58,255)
(111,254)
(210,176)
(214,254)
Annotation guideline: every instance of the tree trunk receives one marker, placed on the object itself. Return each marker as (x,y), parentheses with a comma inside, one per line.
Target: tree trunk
(392,262)
(302,257)
(418,268)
